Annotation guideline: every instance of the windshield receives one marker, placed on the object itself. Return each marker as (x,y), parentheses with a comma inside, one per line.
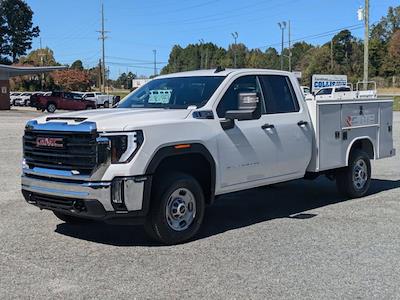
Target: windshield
(177,92)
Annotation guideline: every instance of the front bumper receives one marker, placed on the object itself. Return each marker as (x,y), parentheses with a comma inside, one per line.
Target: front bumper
(82,199)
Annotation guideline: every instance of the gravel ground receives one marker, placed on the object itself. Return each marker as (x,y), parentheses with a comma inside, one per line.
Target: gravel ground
(293,240)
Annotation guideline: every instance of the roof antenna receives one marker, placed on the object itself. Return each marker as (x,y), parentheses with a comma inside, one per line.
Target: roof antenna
(219,69)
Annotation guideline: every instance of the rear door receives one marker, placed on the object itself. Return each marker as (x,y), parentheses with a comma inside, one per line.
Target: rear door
(292,134)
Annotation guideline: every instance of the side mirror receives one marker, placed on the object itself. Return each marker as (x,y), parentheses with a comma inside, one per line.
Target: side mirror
(249,108)
(309,97)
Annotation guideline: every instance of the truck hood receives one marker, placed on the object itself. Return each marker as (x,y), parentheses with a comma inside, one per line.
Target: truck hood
(117,119)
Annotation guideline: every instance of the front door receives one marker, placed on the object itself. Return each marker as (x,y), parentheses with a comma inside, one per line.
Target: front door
(246,153)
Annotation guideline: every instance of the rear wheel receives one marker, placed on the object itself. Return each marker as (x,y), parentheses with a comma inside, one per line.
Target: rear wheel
(177,209)
(354,180)
(70,219)
(51,108)
(106,104)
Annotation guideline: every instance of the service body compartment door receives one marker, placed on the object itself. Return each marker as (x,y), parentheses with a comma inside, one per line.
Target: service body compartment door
(360,121)
(386,130)
(330,139)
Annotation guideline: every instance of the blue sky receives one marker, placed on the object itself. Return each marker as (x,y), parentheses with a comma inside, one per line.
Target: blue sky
(137,27)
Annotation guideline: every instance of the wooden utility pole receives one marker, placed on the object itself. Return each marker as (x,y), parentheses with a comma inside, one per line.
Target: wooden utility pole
(103,38)
(155,62)
(366,43)
(290,49)
(332,55)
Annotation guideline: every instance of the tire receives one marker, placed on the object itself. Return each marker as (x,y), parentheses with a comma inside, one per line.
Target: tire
(177,209)
(51,107)
(106,104)
(354,180)
(14,103)
(70,219)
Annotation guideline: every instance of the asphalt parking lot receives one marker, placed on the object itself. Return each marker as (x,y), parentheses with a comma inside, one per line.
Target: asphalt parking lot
(292,240)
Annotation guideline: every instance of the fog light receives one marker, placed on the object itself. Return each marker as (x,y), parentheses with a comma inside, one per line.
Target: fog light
(24,165)
(117,194)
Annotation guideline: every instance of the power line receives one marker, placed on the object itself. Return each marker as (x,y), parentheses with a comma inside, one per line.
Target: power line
(137,61)
(322,34)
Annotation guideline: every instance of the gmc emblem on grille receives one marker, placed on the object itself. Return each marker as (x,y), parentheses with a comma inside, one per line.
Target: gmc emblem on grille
(49,142)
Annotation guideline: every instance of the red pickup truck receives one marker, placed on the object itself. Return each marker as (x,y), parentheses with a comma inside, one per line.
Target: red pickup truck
(61,100)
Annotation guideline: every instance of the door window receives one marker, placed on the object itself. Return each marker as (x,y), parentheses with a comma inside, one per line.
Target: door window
(245,84)
(279,95)
(325,92)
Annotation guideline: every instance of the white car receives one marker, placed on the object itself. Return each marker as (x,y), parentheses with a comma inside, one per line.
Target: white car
(23,99)
(100,98)
(13,96)
(160,161)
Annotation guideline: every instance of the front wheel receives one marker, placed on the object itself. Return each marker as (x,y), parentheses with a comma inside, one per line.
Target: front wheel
(354,180)
(51,108)
(177,209)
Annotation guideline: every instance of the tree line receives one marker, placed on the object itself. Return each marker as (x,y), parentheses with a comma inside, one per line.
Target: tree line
(342,55)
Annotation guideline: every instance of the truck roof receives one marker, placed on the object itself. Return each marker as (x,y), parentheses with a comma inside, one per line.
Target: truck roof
(226,72)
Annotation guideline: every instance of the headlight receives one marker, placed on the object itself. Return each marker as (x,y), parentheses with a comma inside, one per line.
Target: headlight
(125,146)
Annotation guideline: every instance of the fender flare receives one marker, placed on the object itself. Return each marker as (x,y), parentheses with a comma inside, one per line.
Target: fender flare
(354,141)
(195,148)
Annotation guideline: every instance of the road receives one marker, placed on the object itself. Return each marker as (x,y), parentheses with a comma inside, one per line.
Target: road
(293,240)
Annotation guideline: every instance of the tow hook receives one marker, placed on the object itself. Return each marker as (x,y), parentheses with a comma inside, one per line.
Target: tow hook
(78,206)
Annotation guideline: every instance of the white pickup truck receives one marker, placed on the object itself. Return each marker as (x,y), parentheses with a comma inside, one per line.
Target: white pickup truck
(159,161)
(100,98)
(342,93)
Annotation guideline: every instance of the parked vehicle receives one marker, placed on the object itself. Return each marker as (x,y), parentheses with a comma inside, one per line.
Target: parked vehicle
(23,99)
(305,90)
(13,96)
(158,163)
(100,98)
(61,100)
(344,93)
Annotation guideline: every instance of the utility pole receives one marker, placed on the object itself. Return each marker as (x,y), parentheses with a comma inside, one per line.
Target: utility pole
(332,55)
(201,53)
(290,49)
(366,43)
(282,26)
(155,62)
(206,62)
(235,36)
(103,38)
(42,55)
(100,72)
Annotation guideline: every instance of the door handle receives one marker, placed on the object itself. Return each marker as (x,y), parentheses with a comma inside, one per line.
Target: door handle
(267,126)
(302,123)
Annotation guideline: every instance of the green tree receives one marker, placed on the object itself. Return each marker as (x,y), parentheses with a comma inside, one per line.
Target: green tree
(4,47)
(391,64)
(18,28)
(298,51)
(39,57)
(78,65)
